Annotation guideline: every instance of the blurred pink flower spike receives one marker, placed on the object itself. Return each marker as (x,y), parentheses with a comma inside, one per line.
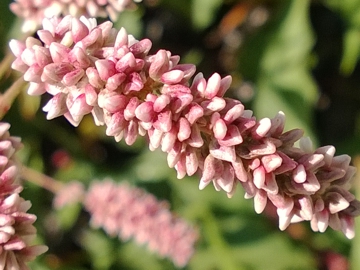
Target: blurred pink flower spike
(16,225)
(33,12)
(111,75)
(129,212)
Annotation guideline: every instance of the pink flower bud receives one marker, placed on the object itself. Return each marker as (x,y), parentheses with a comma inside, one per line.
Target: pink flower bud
(78,29)
(144,112)
(212,87)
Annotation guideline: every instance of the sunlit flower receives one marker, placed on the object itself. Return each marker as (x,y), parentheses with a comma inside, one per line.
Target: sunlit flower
(129,212)
(105,72)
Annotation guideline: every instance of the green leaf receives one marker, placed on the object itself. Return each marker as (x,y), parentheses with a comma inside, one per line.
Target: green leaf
(349,10)
(203,12)
(100,248)
(277,59)
(68,215)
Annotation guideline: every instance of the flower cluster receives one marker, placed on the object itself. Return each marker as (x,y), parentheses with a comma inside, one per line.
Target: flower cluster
(130,212)
(33,12)
(16,225)
(90,68)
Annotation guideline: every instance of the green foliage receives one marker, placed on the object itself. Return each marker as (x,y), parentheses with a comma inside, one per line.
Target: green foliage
(350,13)
(277,59)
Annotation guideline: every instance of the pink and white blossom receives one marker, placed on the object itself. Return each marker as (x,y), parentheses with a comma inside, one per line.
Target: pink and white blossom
(100,70)
(129,212)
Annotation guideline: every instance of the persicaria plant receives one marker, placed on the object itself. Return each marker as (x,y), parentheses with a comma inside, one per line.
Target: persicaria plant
(98,76)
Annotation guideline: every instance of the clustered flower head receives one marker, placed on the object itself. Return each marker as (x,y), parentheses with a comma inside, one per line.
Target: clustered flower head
(16,225)
(90,68)
(33,12)
(129,212)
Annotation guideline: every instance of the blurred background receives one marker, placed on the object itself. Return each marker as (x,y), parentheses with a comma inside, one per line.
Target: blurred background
(296,56)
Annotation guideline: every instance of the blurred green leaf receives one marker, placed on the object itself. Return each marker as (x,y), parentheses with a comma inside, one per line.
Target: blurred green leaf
(131,21)
(68,215)
(100,248)
(203,12)
(349,10)
(277,59)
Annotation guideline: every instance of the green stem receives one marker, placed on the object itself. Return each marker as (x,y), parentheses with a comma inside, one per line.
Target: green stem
(40,179)
(7,98)
(5,64)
